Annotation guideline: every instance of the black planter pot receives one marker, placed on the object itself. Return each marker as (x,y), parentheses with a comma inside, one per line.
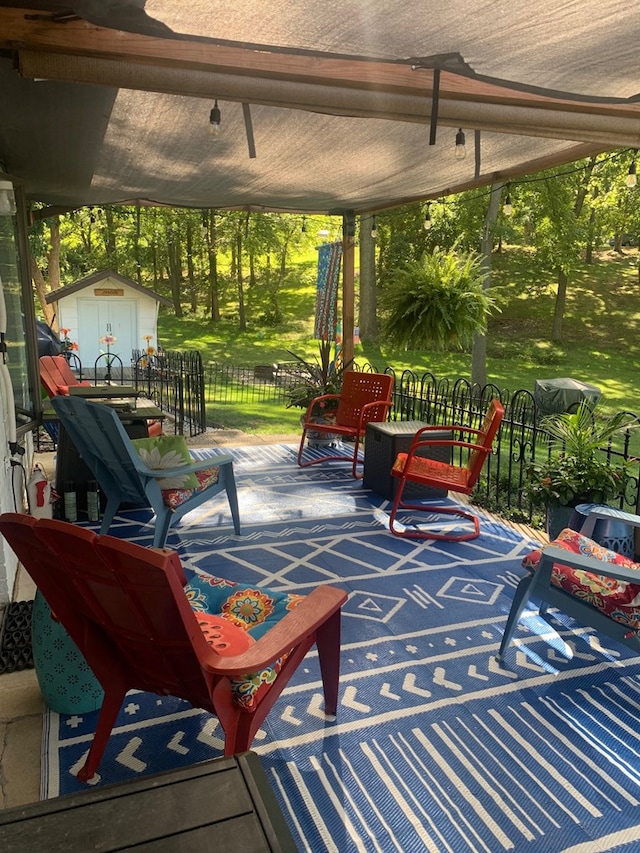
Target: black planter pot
(559,516)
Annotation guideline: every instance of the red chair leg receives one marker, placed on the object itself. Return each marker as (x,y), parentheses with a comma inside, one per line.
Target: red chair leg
(113,700)
(437,510)
(328,644)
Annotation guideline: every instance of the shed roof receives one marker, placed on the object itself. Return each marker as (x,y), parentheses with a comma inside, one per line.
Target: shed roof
(323,109)
(98,278)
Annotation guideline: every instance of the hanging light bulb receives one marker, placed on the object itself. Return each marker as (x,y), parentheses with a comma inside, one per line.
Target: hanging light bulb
(461,148)
(630,180)
(427,219)
(374,230)
(508,207)
(214,120)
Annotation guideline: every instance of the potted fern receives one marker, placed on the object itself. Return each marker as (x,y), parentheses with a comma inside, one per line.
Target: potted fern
(578,469)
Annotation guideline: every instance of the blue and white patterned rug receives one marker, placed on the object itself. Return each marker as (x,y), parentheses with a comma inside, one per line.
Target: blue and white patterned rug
(435,746)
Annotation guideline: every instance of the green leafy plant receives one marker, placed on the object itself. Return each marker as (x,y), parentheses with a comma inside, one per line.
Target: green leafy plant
(577,470)
(315,379)
(438,301)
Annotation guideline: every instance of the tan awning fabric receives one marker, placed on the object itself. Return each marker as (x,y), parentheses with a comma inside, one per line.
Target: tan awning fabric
(341,99)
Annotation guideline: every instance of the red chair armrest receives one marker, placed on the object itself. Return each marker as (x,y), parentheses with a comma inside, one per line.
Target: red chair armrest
(298,624)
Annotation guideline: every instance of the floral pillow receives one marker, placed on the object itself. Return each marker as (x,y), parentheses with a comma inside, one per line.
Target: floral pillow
(167,451)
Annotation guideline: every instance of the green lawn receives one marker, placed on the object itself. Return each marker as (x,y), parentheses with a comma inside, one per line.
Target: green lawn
(601,335)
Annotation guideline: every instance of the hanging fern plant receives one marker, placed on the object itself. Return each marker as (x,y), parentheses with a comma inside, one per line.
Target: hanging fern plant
(437,302)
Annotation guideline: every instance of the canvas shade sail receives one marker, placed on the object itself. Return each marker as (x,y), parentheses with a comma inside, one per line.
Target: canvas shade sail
(338,103)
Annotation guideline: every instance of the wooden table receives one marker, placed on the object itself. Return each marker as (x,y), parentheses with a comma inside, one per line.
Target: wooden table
(102,392)
(225,804)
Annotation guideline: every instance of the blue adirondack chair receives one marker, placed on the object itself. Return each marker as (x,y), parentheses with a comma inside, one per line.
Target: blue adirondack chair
(102,442)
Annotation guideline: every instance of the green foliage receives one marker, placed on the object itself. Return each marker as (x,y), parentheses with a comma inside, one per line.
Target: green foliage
(577,471)
(316,378)
(437,302)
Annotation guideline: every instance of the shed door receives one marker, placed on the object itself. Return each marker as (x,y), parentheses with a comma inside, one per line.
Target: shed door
(98,316)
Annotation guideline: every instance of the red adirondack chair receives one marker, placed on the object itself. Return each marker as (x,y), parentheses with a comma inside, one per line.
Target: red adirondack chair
(127,611)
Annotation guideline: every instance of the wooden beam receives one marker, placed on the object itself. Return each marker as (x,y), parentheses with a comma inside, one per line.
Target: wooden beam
(80,38)
(348,284)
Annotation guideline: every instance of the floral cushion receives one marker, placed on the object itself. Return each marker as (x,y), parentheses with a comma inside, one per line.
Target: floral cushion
(205,478)
(620,600)
(255,609)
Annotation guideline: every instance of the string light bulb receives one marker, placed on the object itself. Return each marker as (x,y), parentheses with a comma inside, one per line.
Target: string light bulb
(461,148)
(508,206)
(427,219)
(630,180)
(214,120)
(374,229)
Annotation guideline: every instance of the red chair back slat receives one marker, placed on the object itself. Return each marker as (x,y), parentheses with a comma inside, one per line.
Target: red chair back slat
(488,430)
(56,376)
(359,389)
(134,594)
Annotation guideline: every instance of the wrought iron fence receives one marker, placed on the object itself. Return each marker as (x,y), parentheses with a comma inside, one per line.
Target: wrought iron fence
(521,440)
(179,384)
(175,382)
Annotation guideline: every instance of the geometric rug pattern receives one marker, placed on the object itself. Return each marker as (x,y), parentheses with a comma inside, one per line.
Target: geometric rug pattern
(435,746)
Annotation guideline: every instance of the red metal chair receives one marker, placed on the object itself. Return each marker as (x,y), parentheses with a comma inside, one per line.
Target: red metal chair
(127,611)
(413,468)
(365,398)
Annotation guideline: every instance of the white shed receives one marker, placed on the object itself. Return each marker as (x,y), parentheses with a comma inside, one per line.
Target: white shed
(107,303)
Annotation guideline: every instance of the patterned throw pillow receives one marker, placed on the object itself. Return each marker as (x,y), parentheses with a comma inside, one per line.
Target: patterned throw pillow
(620,600)
(167,451)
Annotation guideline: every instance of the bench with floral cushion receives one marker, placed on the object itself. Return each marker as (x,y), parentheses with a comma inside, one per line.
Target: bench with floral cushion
(593,584)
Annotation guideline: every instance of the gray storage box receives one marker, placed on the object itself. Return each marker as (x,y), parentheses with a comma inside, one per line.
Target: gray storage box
(383,442)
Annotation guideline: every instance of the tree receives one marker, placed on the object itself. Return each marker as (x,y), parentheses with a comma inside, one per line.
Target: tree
(479,351)
(44,256)
(562,227)
(368,306)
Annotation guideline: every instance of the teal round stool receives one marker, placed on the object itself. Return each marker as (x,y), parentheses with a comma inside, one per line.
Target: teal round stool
(67,684)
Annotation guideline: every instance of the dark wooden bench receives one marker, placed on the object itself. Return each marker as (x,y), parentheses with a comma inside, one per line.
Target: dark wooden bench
(224,804)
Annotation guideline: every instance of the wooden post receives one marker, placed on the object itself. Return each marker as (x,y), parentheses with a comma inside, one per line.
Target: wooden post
(348,287)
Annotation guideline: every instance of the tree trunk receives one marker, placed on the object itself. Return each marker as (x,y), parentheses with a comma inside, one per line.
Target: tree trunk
(54,254)
(242,317)
(561,297)
(136,246)
(212,244)
(41,290)
(193,289)
(558,313)
(175,272)
(110,239)
(479,349)
(368,309)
